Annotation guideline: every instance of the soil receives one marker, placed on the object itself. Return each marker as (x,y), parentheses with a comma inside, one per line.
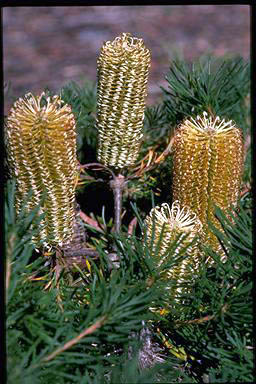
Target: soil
(50,46)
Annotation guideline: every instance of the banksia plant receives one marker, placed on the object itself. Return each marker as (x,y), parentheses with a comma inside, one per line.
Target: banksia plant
(41,147)
(123,67)
(164,226)
(207,163)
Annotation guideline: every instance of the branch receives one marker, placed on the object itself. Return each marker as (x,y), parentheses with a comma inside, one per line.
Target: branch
(196,321)
(98,167)
(8,274)
(245,190)
(132,225)
(9,255)
(90,221)
(76,339)
(79,257)
(152,161)
(247,144)
(201,319)
(117,184)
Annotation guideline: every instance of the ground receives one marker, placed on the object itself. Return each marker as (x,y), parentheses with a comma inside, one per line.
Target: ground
(49,46)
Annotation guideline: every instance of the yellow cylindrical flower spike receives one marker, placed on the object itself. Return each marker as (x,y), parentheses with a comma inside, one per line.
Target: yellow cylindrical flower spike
(207,168)
(41,146)
(123,67)
(164,225)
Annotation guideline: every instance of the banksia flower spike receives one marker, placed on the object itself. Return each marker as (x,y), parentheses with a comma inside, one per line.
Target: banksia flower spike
(208,163)
(41,146)
(123,67)
(164,225)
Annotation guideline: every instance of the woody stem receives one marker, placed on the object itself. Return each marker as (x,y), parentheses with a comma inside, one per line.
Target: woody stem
(117,184)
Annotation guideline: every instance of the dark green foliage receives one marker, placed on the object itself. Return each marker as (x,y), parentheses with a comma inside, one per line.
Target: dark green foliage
(156,126)
(37,326)
(226,293)
(83,102)
(214,85)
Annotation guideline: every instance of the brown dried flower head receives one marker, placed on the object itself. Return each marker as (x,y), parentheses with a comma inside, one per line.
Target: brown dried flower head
(41,145)
(123,67)
(208,164)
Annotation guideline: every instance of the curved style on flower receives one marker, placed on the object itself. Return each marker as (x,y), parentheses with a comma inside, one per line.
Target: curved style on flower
(123,67)
(41,145)
(208,164)
(164,226)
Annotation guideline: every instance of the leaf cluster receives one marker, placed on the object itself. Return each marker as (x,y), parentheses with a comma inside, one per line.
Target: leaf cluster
(215,85)
(82,99)
(111,306)
(215,321)
(120,300)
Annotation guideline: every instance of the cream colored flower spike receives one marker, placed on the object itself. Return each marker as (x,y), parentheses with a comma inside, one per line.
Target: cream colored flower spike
(207,168)
(169,223)
(163,227)
(123,67)
(41,145)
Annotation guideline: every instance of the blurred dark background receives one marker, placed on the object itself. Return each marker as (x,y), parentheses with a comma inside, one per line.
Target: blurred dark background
(49,46)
